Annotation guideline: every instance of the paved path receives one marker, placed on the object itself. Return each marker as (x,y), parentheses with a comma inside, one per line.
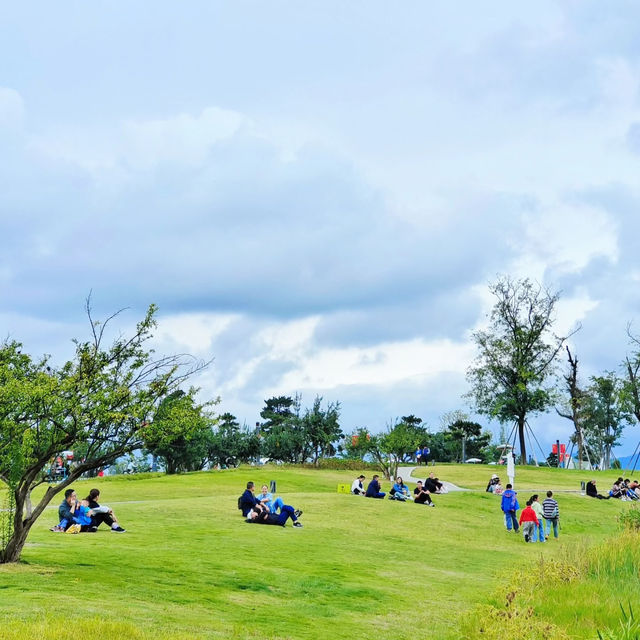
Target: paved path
(407,473)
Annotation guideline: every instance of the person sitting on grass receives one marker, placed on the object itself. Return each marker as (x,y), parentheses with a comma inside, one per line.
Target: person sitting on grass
(373,490)
(102,514)
(261,515)
(421,495)
(434,485)
(248,499)
(357,488)
(74,516)
(529,522)
(399,491)
(492,483)
(266,498)
(592,491)
(509,505)
(617,490)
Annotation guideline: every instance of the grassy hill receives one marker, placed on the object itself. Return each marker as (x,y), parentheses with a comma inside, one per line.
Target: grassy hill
(190,567)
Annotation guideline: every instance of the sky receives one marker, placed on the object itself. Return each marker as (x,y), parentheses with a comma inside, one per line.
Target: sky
(317,195)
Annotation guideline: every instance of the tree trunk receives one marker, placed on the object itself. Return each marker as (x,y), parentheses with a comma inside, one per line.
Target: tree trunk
(521,434)
(13,549)
(21,527)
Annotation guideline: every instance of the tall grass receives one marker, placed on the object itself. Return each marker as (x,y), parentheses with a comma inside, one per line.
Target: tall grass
(568,596)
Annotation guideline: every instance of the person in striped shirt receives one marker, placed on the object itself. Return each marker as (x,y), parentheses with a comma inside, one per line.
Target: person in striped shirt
(551,514)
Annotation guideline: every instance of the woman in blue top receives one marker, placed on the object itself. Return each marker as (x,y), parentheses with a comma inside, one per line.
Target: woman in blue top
(400,491)
(266,498)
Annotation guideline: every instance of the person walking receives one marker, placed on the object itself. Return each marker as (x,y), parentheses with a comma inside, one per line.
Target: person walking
(509,505)
(551,514)
(529,522)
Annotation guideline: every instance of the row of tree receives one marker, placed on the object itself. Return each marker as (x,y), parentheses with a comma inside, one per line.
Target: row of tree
(516,374)
(287,434)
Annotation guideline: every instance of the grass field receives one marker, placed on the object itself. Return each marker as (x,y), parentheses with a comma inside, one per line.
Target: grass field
(190,567)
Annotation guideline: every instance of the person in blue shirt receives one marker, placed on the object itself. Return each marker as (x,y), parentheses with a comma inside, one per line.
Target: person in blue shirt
(510,506)
(400,491)
(266,498)
(373,490)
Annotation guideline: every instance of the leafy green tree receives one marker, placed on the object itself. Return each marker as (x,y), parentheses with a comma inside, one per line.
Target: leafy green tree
(322,428)
(355,445)
(283,435)
(233,444)
(278,410)
(105,396)
(181,432)
(606,412)
(631,383)
(397,444)
(510,379)
(468,440)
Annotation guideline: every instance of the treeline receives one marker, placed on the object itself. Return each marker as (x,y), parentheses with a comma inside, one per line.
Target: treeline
(192,437)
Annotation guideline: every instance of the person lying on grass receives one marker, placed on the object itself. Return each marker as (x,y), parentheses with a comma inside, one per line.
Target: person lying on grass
(421,495)
(102,514)
(261,515)
(399,491)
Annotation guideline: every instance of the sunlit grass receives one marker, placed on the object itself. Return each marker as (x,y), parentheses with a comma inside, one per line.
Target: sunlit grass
(189,567)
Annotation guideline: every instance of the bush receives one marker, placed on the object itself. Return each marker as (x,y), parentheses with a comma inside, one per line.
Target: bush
(341,464)
(630,518)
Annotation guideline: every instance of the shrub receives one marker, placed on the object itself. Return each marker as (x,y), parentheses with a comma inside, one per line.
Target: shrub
(630,518)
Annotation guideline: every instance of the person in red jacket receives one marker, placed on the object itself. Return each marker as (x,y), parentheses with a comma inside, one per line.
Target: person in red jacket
(528,522)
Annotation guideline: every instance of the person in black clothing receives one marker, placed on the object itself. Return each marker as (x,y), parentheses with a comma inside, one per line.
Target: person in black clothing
(592,491)
(421,495)
(102,514)
(432,484)
(248,499)
(261,515)
(373,490)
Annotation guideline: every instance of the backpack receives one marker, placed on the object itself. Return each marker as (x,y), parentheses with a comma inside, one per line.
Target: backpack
(240,503)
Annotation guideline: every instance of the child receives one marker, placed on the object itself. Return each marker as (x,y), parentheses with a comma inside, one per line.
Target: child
(81,518)
(509,506)
(537,507)
(528,520)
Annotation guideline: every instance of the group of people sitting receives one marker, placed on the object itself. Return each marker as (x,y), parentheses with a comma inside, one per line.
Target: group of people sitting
(622,489)
(494,485)
(265,509)
(84,516)
(399,491)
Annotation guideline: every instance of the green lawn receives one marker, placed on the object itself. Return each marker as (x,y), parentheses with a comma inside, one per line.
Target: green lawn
(190,567)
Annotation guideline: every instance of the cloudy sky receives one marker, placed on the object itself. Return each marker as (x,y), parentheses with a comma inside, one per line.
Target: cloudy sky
(317,194)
